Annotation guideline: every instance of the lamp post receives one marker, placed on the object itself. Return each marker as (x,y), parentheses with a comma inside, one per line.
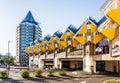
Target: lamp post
(28,57)
(8,68)
(39,48)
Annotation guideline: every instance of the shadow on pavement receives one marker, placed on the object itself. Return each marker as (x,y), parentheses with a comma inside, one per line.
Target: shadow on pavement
(10,80)
(109,74)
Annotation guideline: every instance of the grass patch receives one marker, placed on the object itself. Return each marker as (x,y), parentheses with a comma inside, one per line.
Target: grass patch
(112,81)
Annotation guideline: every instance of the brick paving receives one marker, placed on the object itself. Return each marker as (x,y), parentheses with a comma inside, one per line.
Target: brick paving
(71,78)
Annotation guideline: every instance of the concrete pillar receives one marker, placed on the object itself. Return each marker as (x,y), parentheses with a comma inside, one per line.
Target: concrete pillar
(55,63)
(88,64)
(60,64)
(110,48)
(41,63)
(33,60)
(30,61)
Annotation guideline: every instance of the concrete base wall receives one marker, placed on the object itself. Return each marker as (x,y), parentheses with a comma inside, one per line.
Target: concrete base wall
(73,63)
(111,66)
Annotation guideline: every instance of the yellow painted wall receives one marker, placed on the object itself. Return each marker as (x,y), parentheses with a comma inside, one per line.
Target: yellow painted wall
(97,38)
(83,31)
(81,40)
(51,46)
(36,47)
(27,50)
(93,28)
(114,15)
(31,49)
(64,36)
(109,33)
(43,46)
(75,43)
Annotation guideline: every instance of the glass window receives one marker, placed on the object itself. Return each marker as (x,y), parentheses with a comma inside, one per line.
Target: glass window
(102,47)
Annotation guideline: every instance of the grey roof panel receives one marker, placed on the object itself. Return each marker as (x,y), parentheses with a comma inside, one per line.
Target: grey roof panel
(58,33)
(72,28)
(102,20)
(29,18)
(47,37)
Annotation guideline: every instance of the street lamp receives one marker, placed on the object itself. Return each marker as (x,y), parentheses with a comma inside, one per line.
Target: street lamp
(33,49)
(8,68)
(28,56)
(39,48)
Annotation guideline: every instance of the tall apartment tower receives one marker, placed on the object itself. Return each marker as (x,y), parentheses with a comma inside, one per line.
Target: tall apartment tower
(27,31)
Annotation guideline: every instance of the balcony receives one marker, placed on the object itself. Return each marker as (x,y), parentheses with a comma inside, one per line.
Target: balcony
(102,50)
(42,56)
(75,54)
(100,57)
(50,56)
(104,6)
(61,55)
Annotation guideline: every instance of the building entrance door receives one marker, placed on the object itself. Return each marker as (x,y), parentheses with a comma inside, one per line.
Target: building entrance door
(66,65)
(100,65)
(80,65)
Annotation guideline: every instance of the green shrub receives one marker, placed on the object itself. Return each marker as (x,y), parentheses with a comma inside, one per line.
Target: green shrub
(37,73)
(112,81)
(62,72)
(51,72)
(25,73)
(4,74)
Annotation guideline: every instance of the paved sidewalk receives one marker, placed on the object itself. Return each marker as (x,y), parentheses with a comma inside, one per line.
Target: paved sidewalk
(71,78)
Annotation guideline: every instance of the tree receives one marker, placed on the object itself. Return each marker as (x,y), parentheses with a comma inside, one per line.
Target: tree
(12,60)
(1,61)
(5,60)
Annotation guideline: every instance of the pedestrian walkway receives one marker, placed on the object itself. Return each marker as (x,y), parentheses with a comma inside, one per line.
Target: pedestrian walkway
(83,82)
(15,77)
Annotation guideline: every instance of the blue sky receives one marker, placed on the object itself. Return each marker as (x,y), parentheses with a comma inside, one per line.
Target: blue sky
(52,15)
